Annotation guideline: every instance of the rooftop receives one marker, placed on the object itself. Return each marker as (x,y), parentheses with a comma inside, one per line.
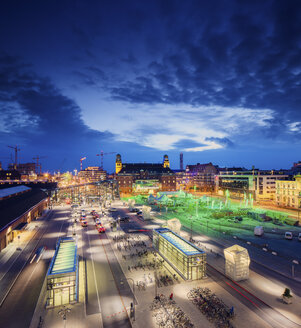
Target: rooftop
(12,190)
(150,167)
(65,257)
(183,245)
(13,207)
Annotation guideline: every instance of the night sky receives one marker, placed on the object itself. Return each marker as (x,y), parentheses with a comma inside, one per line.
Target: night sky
(216,80)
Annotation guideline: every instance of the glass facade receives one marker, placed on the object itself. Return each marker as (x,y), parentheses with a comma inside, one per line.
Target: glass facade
(62,277)
(188,260)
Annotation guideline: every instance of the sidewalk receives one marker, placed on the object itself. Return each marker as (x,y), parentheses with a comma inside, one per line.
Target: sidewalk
(16,254)
(77,318)
(244,318)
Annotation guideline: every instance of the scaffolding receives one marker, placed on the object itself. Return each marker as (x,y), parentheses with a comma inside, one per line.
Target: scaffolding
(187,259)
(237,262)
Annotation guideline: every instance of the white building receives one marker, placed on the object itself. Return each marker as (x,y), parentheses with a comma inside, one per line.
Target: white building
(261,184)
(288,193)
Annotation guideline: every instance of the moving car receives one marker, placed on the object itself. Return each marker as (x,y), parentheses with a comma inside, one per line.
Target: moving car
(101,229)
(288,235)
(299,236)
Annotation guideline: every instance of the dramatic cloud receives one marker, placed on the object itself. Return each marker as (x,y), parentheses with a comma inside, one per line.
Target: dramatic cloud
(221,78)
(33,110)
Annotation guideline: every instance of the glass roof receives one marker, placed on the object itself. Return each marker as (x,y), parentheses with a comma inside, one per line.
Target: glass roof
(64,259)
(182,244)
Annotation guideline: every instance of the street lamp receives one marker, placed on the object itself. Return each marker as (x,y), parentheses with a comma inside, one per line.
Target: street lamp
(121,282)
(63,313)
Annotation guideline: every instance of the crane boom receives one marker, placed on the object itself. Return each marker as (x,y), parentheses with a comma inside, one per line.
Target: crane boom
(38,165)
(101,157)
(16,149)
(81,162)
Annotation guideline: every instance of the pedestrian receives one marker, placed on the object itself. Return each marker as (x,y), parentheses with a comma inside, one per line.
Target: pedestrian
(171,296)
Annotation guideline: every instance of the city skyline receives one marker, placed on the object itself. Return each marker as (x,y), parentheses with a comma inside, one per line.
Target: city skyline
(219,82)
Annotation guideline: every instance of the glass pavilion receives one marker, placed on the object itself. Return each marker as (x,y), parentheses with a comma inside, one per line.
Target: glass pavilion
(187,259)
(62,276)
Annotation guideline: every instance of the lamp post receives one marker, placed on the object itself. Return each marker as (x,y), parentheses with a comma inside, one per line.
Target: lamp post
(190,227)
(63,313)
(121,282)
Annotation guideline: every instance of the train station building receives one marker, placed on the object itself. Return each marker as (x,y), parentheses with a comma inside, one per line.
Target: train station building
(19,206)
(187,259)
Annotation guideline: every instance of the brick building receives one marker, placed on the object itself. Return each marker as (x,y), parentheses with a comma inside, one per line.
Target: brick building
(144,178)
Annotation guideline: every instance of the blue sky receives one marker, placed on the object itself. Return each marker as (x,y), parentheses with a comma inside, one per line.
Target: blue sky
(216,80)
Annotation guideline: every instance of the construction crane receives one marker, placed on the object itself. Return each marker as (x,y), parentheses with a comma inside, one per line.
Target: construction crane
(81,162)
(38,165)
(16,149)
(101,157)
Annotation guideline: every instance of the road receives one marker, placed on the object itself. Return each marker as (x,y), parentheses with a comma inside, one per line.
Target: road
(19,305)
(108,293)
(263,310)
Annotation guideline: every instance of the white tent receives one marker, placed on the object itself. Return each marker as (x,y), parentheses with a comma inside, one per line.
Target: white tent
(174,225)
(237,262)
(146,212)
(131,203)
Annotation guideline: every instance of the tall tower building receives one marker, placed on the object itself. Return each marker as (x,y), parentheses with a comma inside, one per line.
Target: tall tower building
(118,164)
(166,161)
(181,162)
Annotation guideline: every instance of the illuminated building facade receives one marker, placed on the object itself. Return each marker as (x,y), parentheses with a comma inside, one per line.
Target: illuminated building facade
(261,184)
(25,168)
(93,174)
(62,276)
(200,176)
(9,175)
(288,193)
(144,178)
(187,259)
(19,206)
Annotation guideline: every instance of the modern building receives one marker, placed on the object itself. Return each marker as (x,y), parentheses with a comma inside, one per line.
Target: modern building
(201,176)
(25,168)
(260,184)
(19,206)
(62,276)
(144,178)
(93,174)
(187,259)
(288,193)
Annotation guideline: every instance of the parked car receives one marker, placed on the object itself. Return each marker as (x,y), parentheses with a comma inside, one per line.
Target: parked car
(84,224)
(299,236)
(288,235)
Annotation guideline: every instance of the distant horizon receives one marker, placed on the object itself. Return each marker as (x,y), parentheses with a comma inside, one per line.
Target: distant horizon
(173,167)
